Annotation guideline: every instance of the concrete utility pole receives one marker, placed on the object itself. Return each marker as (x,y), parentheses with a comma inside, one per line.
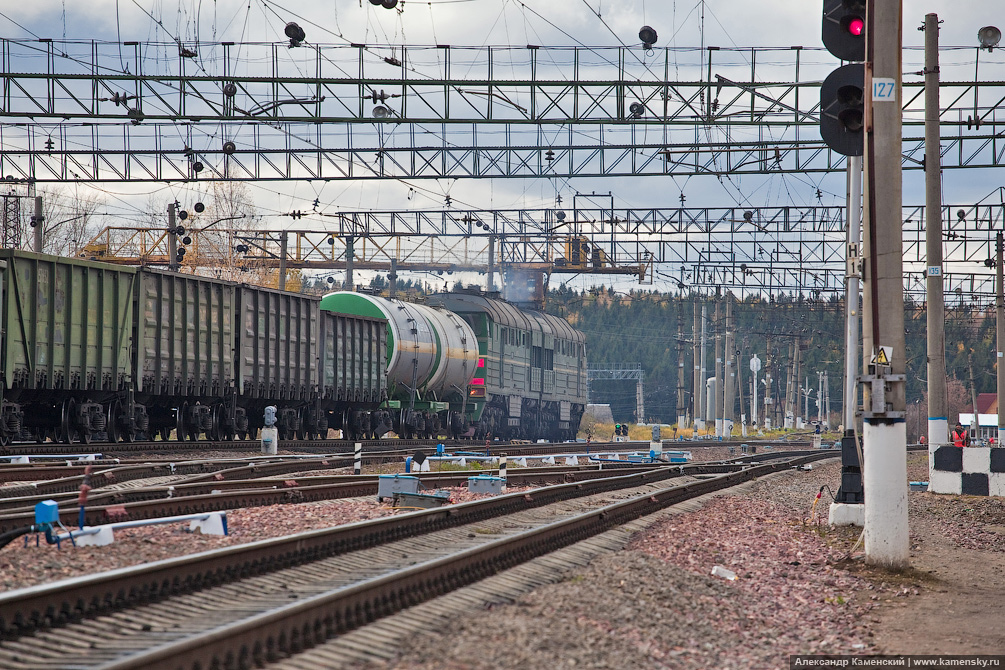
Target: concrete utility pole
(349,258)
(38,221)
(827,391)
(1000,312)
(885,431)
(807,392)
(490,281)
(172,239)
(938,403)
(798,421)
(738,366)
(729,372)
(696,415)
(717,410)
(681,400)
(791,392)
(283,253)
(820,399)
(975,421)
(768,362)
(392,280)
(705,404)
(681,404)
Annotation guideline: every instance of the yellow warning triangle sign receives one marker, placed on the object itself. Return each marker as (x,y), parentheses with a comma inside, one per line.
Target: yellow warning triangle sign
(881,357)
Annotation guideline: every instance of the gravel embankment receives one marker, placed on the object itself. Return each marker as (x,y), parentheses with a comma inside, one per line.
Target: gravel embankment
(656,605)
(800,589)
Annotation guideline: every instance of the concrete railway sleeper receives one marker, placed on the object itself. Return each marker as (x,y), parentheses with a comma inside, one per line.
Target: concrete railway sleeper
(340,578)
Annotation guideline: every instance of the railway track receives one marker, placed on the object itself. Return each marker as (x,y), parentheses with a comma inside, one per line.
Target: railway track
(222,491)
(199,495)
(250,604)
(369,446)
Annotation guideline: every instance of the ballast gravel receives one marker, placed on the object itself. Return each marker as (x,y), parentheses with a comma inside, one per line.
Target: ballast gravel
(800,585)
(799,589)
(22,566)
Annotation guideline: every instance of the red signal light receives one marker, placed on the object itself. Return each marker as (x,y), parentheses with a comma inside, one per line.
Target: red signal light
(856,26)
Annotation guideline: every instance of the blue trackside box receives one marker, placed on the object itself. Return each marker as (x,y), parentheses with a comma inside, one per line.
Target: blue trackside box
(46,511)
(485,484)
(388,485)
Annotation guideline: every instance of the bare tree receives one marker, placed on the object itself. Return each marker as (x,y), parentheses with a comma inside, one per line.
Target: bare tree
(68,218)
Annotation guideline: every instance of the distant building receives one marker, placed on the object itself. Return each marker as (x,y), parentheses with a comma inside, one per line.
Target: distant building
(600,413)
(987,416)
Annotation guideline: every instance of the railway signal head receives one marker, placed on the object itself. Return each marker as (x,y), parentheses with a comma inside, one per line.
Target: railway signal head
(844,28)
(295,33)
(842,109)
(842,96)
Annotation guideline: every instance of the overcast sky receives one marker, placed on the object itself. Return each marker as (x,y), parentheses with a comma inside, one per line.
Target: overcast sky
(726,23)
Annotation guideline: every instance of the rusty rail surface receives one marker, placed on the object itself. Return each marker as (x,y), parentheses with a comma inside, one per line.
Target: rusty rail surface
(221,493)
(292,628)
(28,609)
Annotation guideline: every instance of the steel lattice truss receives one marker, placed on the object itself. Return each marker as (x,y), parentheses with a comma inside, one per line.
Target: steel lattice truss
(757,250)
(102,111)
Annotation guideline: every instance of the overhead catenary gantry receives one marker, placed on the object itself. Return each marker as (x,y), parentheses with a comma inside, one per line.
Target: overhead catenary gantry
(749,251)
(107,111)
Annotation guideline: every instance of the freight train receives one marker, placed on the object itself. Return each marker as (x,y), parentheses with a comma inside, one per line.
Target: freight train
(93,351)
(472,365)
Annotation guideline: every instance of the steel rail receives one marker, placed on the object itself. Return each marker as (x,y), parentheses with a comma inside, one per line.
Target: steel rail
(119,504)
(289,629)
(371,447)
(28,609)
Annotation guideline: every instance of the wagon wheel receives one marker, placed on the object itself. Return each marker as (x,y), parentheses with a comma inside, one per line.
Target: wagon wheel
(217,432)
(65,431)
(182,431)
(112,418)
(84,436)
(4,440)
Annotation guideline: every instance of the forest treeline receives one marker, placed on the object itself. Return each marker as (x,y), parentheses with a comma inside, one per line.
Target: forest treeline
(655,329)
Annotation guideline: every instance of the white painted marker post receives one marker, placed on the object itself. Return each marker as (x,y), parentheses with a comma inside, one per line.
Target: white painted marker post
(358,466)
